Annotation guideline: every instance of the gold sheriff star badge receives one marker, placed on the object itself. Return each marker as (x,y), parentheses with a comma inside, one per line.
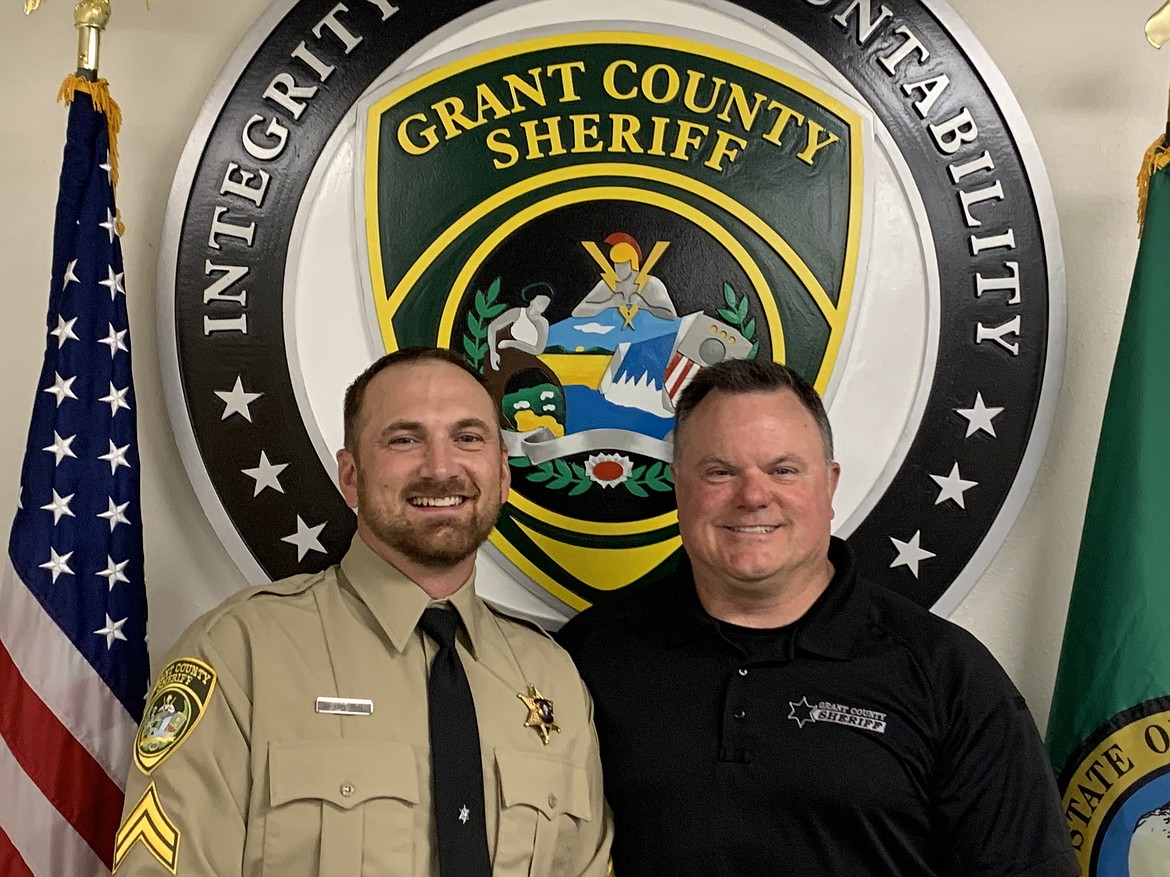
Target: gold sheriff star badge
(540,713)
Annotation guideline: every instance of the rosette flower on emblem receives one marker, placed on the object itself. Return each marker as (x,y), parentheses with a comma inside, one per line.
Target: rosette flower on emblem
(608,470)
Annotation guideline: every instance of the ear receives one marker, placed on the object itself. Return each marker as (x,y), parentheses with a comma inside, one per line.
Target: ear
(347,477)
(834,477)
(505,477)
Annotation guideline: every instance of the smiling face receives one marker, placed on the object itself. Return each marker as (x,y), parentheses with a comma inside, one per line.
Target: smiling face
(427,475)
(755,495)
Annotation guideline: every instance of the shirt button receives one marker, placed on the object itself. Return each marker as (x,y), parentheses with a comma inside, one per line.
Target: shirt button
(346,790)
(743,671)
(738,714)
(552,802)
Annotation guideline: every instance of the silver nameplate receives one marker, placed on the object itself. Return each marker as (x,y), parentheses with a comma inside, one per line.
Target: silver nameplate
(345,706)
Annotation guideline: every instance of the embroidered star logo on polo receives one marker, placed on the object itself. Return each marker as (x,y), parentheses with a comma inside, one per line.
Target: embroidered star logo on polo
(802,712)
(540,713)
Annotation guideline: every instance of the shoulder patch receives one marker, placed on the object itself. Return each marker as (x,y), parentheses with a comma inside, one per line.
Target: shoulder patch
(149,825)
(177,703)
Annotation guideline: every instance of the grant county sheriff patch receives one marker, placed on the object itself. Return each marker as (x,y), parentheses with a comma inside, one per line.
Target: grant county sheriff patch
(592,211)
(1117,794)
(177,703)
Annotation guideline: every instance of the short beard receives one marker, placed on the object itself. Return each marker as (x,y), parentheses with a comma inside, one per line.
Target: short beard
(437,544)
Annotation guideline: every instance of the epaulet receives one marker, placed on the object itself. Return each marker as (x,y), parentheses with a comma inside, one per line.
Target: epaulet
(513,616)
(282,588)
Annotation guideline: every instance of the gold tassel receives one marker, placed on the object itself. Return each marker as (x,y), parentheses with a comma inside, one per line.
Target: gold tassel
(99,92)
(1156,158)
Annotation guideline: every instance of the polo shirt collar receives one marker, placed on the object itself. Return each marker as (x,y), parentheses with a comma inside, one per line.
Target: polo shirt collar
(685,616)
(835,621)
(829,628)
(397,603)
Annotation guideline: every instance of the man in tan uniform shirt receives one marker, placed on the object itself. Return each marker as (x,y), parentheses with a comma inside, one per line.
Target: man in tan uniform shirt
(288,733)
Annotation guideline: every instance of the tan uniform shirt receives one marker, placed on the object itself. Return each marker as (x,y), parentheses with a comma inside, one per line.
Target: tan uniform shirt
(257,782)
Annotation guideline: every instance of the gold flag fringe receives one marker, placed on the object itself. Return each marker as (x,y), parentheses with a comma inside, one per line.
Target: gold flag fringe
(1156,158)
(99,92)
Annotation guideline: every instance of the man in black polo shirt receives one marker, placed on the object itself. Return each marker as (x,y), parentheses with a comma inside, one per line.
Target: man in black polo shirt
(767,712)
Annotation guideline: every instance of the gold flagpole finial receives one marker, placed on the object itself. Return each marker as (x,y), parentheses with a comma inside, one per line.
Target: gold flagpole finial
(90,17)
(1158,27)
(31,6)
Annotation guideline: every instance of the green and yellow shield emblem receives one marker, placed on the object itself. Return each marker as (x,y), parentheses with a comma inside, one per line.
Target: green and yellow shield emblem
(591,218)
(177,703)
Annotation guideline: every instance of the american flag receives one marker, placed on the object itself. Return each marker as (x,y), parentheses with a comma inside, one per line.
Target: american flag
(73,655)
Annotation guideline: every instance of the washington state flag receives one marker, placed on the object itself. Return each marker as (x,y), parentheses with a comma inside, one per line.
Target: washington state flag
(1109,730)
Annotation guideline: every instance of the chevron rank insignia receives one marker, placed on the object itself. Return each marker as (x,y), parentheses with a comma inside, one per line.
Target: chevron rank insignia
(149,825)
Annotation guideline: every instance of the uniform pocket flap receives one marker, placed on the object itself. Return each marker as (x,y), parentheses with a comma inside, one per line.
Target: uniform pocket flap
(550,785)
(343,772)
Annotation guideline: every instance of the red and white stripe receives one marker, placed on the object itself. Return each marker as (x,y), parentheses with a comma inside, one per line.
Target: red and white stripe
(679,372)
(65,744)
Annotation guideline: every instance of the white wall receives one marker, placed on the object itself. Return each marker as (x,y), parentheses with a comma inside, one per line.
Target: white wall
(1093,91)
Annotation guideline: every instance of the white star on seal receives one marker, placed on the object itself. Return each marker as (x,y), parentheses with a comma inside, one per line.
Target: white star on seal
(112,631)
(265,474)
(464,814)
(910,553)
(953,487)
(979,417)
(305,539)
(237,400)
(60,506)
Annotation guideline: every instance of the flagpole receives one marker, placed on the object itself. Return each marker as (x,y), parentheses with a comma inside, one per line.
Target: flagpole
(90,17)
(1157,156)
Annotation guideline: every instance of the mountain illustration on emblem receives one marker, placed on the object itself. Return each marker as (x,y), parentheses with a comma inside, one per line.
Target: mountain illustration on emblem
(603,380)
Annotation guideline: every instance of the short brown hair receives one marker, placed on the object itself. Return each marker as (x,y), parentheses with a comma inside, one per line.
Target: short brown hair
(738,376)
(355,395)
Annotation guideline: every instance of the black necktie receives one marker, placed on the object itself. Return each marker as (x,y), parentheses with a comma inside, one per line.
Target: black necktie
(456,767)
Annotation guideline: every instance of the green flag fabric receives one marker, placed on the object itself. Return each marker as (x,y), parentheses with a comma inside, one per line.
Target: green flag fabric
(1109,729)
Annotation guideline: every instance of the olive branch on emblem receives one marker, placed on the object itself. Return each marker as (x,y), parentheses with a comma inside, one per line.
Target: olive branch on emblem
(657,477)
(486,308)
(559,475)
(736,314)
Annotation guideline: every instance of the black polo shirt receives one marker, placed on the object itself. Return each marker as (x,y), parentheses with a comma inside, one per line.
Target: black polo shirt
(877,739)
